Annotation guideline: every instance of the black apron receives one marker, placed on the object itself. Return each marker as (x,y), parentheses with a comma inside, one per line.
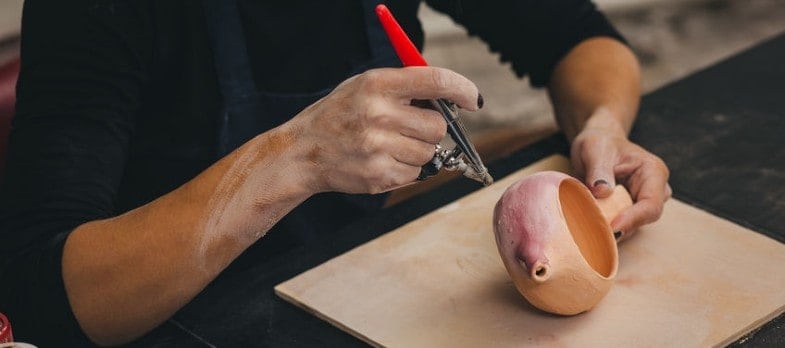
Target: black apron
(247,112)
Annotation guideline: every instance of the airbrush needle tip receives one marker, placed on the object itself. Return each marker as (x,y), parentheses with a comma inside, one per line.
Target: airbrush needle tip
(487,180)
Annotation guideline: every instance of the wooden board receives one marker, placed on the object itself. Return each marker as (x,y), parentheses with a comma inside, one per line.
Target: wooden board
(689,280)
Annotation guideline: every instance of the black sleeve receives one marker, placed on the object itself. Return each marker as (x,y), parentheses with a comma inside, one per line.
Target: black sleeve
(531,34)
(83,62)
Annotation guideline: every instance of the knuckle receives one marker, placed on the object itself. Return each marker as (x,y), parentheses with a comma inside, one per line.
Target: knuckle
(372,79)
(384,120)
(439,79)
(433,127)
(657,164)
(440,127)
(375,112)
(654,212)
(374,173)
(664,167)
(653,161)
(370,143)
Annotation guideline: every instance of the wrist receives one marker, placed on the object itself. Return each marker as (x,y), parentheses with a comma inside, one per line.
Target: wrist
(281,163)
(606,121)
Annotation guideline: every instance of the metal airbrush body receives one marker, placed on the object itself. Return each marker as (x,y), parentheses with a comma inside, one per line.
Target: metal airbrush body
(452,159)
(464,156)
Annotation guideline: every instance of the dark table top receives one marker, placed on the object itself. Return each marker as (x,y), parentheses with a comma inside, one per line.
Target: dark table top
(719,130)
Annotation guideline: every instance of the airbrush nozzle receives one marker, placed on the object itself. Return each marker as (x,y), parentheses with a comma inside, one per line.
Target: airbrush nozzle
(482,176)
(487,180)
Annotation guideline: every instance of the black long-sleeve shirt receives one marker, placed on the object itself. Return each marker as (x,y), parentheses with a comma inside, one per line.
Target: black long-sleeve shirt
(118,102)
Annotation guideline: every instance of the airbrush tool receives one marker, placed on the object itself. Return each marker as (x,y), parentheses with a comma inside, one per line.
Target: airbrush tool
(452,160)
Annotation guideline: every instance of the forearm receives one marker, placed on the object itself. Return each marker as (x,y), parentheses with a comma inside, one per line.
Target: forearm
(127,274)
(124,276)
(597,84)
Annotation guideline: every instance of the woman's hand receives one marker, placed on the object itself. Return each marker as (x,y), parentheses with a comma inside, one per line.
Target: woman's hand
(603,156)
(366,137)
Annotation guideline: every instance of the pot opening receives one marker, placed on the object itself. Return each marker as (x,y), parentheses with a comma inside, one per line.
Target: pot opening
(588,227)
(540,272)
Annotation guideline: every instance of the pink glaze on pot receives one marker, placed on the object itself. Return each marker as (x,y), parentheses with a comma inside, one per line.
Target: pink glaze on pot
(556,243)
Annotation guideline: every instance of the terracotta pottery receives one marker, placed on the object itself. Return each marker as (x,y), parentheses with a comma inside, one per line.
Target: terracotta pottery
(556,241)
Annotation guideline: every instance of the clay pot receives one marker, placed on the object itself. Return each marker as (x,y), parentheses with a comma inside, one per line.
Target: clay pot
(556,242)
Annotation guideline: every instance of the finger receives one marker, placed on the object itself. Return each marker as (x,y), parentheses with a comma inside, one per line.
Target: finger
(411,151)
(401,174)
(384,173)
(408,175)
(413,121)
(641,213)
(433,83)
(599,165)
(650,189)
(422,124)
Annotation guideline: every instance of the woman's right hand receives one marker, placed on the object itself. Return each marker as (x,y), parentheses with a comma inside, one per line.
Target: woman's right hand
(366,137)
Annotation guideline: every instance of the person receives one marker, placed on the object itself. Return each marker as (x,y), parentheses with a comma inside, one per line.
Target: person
(157,142)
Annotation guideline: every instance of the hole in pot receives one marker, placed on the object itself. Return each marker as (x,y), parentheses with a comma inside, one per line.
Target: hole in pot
(587,226)
(540,272)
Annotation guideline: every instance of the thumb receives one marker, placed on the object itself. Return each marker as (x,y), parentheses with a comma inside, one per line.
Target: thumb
(600,177)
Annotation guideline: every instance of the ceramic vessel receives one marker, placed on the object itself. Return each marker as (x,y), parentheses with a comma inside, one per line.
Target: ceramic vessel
(556,242)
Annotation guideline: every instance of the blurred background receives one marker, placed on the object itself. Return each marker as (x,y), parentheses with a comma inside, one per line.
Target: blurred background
(672,38)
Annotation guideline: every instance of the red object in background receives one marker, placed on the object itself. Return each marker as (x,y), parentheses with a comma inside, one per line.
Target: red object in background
(8,75)
(403,46)
(5,330)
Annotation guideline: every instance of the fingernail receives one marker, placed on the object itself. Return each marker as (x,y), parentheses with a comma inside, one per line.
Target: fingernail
(617,235)
(480,101)
(600,182)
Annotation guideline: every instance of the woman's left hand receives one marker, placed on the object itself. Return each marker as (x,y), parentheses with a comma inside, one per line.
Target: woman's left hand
(603,156)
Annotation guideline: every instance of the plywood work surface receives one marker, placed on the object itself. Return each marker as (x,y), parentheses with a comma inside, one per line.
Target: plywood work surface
(689,280)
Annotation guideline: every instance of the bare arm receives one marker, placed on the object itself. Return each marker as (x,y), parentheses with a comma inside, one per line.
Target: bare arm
(595,92)
(125,275)
(599,77)
(151,261)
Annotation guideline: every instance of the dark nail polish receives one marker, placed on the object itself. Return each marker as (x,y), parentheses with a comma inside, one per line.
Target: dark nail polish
(600,182)
(480,101)
(617,234)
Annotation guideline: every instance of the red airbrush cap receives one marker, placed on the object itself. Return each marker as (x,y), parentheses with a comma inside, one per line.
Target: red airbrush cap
(403,46)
